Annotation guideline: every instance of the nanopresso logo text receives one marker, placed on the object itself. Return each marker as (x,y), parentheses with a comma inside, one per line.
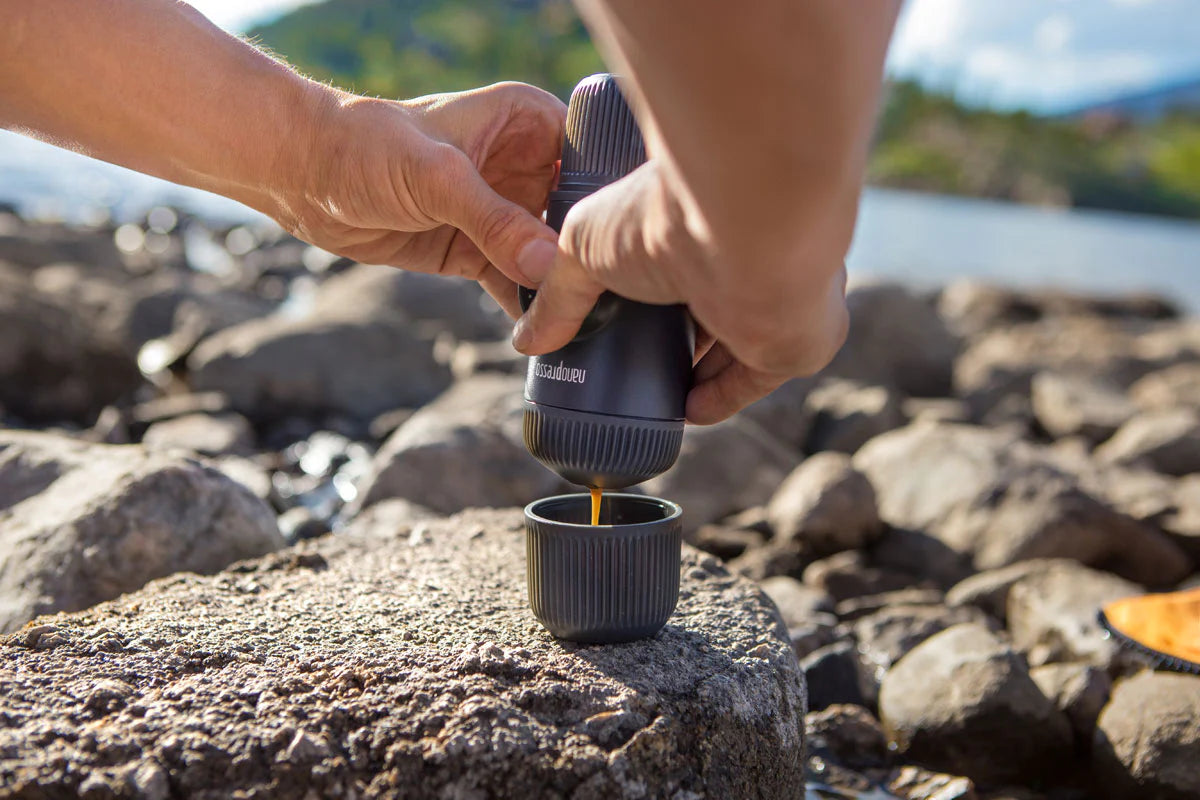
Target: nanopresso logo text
(560,373)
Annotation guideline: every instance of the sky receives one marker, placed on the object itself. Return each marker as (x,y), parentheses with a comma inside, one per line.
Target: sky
(1044,55)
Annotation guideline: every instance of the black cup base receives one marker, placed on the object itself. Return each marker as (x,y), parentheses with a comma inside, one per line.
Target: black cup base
(608,583)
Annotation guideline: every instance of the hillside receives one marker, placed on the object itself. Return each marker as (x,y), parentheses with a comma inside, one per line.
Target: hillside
(925,141)
(405,48)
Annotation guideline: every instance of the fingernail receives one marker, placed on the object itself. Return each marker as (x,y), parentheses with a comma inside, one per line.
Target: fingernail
(522,335)
(536,259)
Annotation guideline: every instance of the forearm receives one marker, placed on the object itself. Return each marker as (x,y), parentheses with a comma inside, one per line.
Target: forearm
(763,111)
(152,85)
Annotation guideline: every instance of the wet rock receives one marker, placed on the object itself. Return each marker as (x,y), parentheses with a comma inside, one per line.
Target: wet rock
(988,590)
(735,455)
(433,302)
(1077,690)
(911,782)
(963,696)
(824,506)
(848,574)
(463,450)
(848,735)
(896,339)
(1052,615)
(1069,405)
(1173,387)
(82,523)
(420,672)
(1147,739)
(831,673)
(54,366)
(784,414)
(999,501)
(207,434)
(299,523)
(1167,441)
(846,414)
(334,360)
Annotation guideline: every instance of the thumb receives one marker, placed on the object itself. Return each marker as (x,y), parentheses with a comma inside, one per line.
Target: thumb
(563,301)
(516,242)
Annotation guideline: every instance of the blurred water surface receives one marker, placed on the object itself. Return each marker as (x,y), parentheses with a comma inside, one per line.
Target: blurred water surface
(922,239)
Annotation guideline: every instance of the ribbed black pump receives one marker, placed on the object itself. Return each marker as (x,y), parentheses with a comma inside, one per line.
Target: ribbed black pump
(603,142)
(607,410)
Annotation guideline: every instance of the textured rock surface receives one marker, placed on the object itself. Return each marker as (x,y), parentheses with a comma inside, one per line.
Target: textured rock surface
(1148,738)
(964,696)
(355,666)
(463,450)
(82,523)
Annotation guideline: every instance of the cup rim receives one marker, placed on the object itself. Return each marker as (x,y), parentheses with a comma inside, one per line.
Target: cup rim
(675,511)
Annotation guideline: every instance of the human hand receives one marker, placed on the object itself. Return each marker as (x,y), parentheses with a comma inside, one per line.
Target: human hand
(761,324)
(452,184)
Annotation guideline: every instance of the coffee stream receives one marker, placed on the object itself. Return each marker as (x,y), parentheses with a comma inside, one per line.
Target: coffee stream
(596,496)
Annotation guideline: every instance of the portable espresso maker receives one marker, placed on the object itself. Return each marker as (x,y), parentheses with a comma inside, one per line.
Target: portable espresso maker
(607,412)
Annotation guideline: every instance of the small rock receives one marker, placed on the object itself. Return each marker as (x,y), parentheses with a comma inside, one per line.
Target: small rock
(1147,739)
(150,782)
(831,673)
(797,603)
(83,523)
(917,783)
(179,405)
(846,414)
(725,542)
(1077,690)
(1167,441)
(463,450)
(963,696)
(847,575)
(935,409)
(766,561)
(856,607)
(210,435)
(1052,615)
(988,590)
(783,413)
(824,506)
(735,455)
(896,339)
(305,748)
(1173,387)
(1071,405)
(848,735)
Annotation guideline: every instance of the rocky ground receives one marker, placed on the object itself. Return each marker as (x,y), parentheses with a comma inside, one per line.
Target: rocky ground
(922,534)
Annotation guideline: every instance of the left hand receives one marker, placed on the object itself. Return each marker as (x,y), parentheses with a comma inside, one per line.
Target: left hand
(453,184)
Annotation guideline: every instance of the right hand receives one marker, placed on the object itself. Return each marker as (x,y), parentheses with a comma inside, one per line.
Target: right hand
(758,328)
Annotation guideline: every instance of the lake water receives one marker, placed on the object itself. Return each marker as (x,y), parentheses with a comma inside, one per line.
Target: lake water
(922,239)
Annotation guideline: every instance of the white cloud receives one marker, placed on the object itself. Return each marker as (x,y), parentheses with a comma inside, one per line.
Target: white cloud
(1046,56)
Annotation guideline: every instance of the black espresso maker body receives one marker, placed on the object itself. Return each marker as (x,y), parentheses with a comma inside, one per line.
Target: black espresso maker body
(607,410)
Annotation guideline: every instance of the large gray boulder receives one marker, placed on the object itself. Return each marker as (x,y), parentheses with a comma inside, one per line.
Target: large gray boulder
(1148,738)
(83,523)
(998,500)
(962,698)
(334,358)
(824,506)
(411,667)
(463,450)
(54,364)
(896,339)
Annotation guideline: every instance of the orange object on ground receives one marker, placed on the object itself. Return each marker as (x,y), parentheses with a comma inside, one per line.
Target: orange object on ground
(1165,627)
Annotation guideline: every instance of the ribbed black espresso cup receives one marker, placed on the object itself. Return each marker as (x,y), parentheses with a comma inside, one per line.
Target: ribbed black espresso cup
(614,582)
